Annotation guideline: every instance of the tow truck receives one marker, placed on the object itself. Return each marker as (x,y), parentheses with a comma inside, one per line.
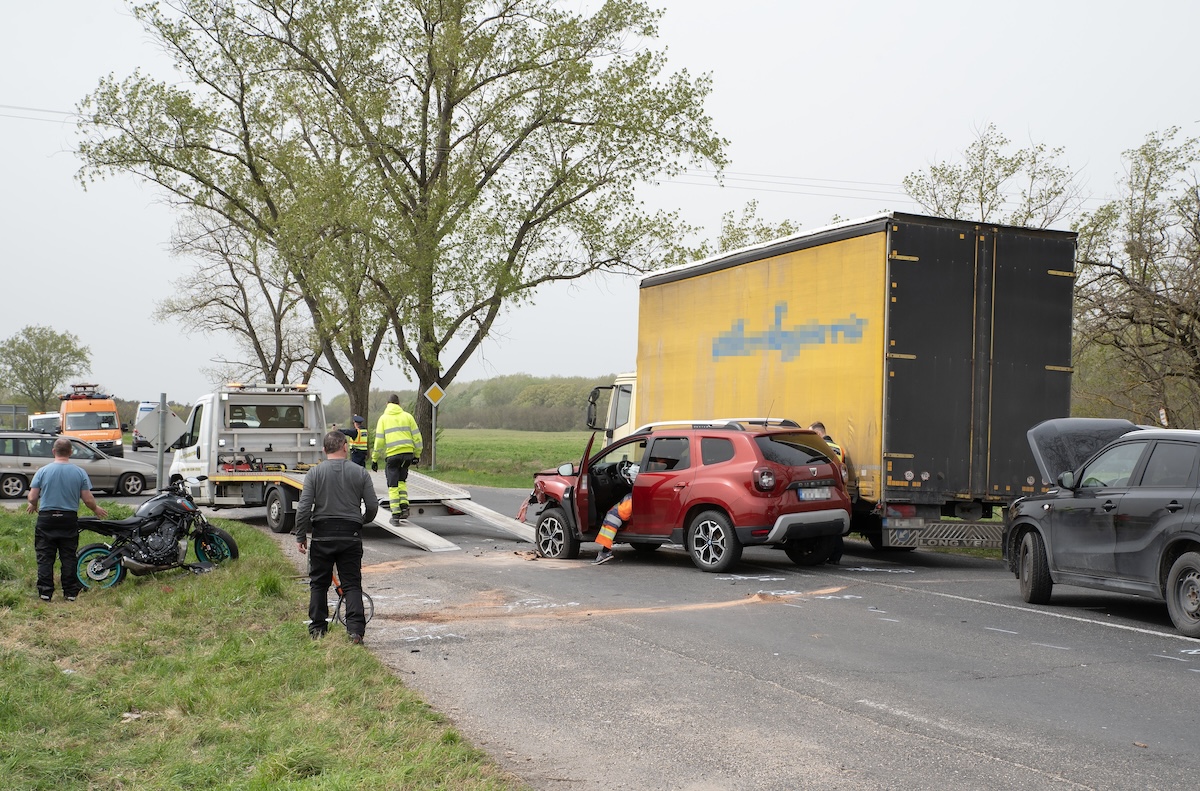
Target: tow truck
(253,443)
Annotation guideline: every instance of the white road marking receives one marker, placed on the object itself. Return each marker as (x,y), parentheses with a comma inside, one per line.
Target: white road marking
(1046,613)
(1172,658)
(1055,647)
(994,629)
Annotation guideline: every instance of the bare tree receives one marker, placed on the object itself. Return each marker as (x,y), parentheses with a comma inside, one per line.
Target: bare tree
(1138,288)
(238,289)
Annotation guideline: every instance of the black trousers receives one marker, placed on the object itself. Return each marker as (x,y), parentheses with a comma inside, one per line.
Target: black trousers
(359,457)
(56,537)
(323,555)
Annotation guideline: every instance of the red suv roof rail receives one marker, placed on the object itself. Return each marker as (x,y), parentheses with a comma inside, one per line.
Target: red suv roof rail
(728,424)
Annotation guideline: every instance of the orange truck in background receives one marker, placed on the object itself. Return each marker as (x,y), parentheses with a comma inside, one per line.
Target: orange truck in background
(91,416)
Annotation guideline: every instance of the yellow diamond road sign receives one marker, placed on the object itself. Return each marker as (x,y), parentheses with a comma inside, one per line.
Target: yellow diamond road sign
(435,393)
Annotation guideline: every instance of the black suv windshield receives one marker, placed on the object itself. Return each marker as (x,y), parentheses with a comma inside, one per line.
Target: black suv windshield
(793,449)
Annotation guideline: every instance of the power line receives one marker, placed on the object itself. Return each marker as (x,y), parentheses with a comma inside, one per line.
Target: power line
(33,110)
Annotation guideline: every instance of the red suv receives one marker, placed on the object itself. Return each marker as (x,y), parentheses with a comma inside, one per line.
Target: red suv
(714,487)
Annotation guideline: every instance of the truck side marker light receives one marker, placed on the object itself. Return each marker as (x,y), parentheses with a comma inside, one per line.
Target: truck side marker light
(1067,369)
(1059,273)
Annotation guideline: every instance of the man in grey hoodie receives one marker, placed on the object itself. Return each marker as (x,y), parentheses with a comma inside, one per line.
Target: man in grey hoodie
(338,498)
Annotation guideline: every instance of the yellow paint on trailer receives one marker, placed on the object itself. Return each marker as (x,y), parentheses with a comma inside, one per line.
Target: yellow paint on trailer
(800,335)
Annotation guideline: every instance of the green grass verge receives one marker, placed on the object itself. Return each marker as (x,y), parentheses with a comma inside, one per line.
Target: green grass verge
(177,680)
(499,457)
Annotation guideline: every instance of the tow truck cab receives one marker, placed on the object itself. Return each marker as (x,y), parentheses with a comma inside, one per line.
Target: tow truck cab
(254,443)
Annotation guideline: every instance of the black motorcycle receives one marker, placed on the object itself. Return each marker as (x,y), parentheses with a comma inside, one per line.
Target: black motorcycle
(155,538)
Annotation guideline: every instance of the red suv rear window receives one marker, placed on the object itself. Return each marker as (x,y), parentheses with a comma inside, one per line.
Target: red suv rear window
(793,450)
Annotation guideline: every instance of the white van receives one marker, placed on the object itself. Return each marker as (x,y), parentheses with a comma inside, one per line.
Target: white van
(45,422)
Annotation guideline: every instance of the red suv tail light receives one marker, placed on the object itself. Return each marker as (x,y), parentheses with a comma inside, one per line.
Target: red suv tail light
(764,479)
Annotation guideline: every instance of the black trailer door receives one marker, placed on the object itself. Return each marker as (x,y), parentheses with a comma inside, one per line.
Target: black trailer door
(928,388)
(1031,352)
(979,334)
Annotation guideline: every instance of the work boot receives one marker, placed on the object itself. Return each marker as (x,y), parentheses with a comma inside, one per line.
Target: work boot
(404,512)
(357,639)
(396,518)
(603,556)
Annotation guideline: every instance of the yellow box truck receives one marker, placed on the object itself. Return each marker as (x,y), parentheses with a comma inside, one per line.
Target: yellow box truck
(927,347)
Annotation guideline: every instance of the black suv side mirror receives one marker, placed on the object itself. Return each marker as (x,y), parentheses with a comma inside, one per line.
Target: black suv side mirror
(1066,480)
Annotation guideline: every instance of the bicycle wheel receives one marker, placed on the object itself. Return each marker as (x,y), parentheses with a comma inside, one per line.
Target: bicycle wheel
(339,610)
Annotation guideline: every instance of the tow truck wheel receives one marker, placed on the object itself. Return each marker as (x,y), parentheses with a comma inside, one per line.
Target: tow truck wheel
(278,518)
(553,536)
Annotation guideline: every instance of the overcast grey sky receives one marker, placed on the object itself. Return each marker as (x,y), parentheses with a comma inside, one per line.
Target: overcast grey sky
(827,106)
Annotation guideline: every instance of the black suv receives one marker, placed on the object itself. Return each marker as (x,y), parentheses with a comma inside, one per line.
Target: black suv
(1125,515)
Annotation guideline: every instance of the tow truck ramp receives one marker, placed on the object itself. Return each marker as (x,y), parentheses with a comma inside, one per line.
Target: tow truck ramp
(431,497)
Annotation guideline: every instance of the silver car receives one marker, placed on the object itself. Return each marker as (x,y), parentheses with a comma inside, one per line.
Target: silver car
(23,453)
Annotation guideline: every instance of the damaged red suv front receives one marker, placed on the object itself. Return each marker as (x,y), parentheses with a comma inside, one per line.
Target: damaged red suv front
(713,487)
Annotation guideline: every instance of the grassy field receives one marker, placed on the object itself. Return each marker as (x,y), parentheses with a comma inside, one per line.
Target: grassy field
(178,681)
(496,457)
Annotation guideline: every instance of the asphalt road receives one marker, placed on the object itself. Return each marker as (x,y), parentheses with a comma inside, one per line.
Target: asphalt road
(891,670)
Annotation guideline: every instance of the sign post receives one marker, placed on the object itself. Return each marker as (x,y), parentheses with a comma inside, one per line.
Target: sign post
(434,394)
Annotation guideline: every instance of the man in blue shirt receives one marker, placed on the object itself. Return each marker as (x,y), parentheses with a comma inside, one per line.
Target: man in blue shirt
(54,495)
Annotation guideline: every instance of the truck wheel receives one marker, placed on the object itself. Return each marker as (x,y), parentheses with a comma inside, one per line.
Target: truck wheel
(811,551)
(554,537)
(1183,594)
(12,486)
(1033,569)
(279,519)
(712,543)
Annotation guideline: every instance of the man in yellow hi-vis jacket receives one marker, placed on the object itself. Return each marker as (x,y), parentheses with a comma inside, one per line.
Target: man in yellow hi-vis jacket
(398,441)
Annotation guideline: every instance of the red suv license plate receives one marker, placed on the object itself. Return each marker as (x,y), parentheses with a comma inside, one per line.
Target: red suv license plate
(815,493)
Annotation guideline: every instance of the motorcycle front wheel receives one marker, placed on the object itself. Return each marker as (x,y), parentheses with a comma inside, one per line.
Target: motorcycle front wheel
(89,572)
(214,545)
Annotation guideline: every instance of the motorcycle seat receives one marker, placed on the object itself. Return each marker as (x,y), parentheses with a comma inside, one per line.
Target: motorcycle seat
(128,522)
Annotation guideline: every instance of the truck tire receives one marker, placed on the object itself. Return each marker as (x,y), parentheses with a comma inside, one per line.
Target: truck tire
(279,519)
(712,542)
(1033,570)
(1183,594)
(554,537)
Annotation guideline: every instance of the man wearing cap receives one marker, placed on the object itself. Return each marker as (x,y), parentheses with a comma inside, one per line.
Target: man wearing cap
(356,438)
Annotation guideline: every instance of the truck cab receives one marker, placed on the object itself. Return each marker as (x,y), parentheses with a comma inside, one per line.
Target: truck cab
(615,414)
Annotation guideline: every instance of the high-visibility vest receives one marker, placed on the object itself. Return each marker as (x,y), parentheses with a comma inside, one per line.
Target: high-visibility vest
(359,441)
(396,432)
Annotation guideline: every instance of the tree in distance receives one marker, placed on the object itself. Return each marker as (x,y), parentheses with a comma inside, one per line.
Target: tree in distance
(413,166)
(37,362)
